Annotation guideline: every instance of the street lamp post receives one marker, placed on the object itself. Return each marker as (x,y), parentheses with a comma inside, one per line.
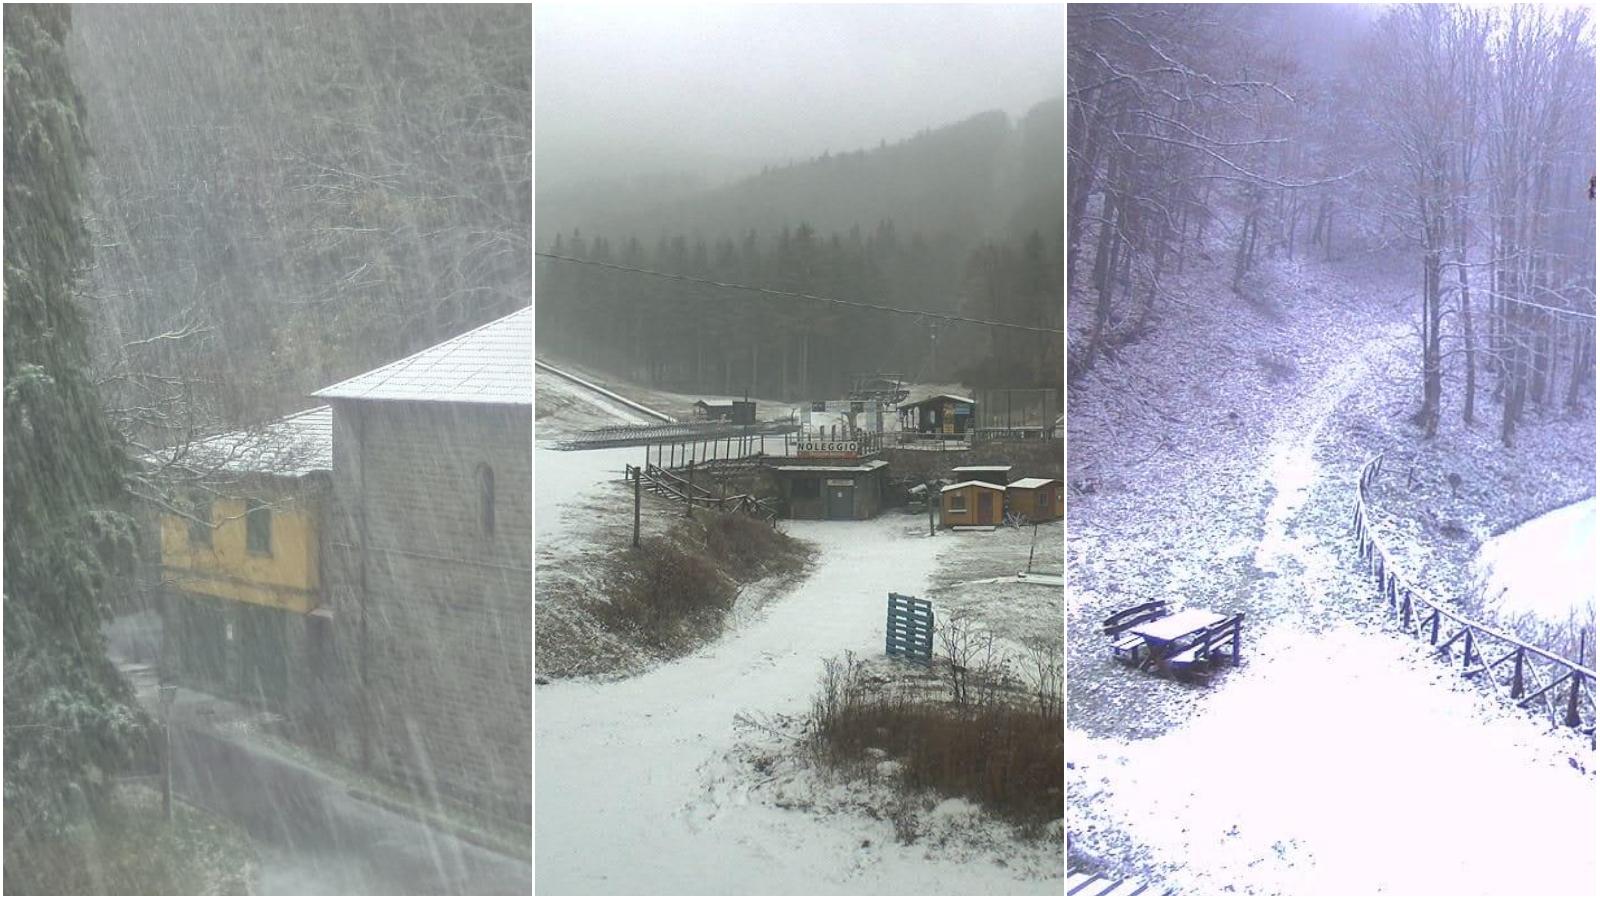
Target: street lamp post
(168,693)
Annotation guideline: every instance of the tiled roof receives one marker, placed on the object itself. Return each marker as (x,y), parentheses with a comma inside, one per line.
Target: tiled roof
(489,364)
(295,445)
(982,484)
(872,466)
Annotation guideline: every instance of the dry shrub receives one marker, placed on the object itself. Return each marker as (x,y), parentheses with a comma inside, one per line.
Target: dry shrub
(673,592)
(749,548)
(668,594)
(993,750)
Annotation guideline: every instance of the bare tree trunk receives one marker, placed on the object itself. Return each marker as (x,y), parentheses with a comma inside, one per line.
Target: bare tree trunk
(1467,338)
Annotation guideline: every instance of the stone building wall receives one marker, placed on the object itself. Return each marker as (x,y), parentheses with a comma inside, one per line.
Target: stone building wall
(448,617)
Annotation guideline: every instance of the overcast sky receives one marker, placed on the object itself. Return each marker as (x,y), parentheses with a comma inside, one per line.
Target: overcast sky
(623,89)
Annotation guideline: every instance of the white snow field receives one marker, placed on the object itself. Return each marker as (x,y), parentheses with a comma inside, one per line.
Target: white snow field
(577,407)
(1346,763)
(643,785)
(638,784)
(1544,567)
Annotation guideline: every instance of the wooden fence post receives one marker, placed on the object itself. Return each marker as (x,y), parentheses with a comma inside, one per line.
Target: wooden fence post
(1435,638)
(1573,719)
(1516,677)
(636,480)
(688,493)
(1405,616)
(1466,654)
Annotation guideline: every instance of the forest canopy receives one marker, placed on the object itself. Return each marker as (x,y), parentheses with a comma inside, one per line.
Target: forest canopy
(960,219)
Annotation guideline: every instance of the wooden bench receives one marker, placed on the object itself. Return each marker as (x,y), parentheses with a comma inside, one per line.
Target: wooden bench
(1130,648)
(1222,637)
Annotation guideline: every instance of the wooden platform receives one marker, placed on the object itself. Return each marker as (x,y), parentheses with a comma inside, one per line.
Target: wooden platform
(1084,884)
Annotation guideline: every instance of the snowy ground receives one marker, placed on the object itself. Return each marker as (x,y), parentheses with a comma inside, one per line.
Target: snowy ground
(563,407)
(679,406)
(1544,568)
(1343,762)
(1337,759)
(977,575)
(652,785)
(686,777)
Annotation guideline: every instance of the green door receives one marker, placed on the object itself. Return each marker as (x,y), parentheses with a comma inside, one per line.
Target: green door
(263,668)
(841,498)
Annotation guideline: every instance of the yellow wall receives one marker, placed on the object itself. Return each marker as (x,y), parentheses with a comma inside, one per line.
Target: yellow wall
(1025,502)
(287,578)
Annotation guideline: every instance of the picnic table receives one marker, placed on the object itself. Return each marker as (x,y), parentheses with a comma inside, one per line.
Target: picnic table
(1174,643)
(1165,637)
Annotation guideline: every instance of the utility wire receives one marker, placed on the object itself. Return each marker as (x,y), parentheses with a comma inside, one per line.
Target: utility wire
(949,317)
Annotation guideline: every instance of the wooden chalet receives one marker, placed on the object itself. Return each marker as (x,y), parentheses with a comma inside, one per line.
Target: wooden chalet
(972,503)
(1035,499)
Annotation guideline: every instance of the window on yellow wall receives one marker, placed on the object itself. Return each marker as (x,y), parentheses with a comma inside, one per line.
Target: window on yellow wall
(958,502)
(200,526)
(486,499)
(258,527)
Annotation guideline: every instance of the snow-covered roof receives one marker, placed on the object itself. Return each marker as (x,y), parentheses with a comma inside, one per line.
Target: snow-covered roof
(1031,483)
(982,484)
(297,444)
(981,469)
(865,467)
(489,364)
(919,402)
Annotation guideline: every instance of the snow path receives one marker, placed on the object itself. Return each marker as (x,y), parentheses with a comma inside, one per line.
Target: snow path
(635,792)
(1341,758)
(1291,467)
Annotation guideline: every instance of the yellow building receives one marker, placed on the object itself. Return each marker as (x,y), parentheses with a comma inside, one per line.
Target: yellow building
(242,565)
(260,549)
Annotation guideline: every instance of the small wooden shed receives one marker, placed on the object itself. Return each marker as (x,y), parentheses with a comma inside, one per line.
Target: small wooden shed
(1035,499)
(739,412)
(972,503)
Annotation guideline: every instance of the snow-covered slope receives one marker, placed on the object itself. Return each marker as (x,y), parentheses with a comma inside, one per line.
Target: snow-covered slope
(644,785)
(1544,568)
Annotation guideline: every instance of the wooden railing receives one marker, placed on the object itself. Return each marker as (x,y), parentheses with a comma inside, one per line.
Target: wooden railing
(1536,679)
(673,486)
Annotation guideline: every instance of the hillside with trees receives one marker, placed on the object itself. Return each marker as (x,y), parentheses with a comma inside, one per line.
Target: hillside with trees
(1457,138)
(1331,366)
(284,196)
(962,220)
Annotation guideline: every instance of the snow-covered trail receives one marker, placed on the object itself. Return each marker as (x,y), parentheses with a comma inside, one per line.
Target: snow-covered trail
(1291,465)
(1341,758)
(634,790)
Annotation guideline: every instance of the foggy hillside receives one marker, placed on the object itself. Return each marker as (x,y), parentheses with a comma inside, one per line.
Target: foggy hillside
(961,219)
(983,176)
